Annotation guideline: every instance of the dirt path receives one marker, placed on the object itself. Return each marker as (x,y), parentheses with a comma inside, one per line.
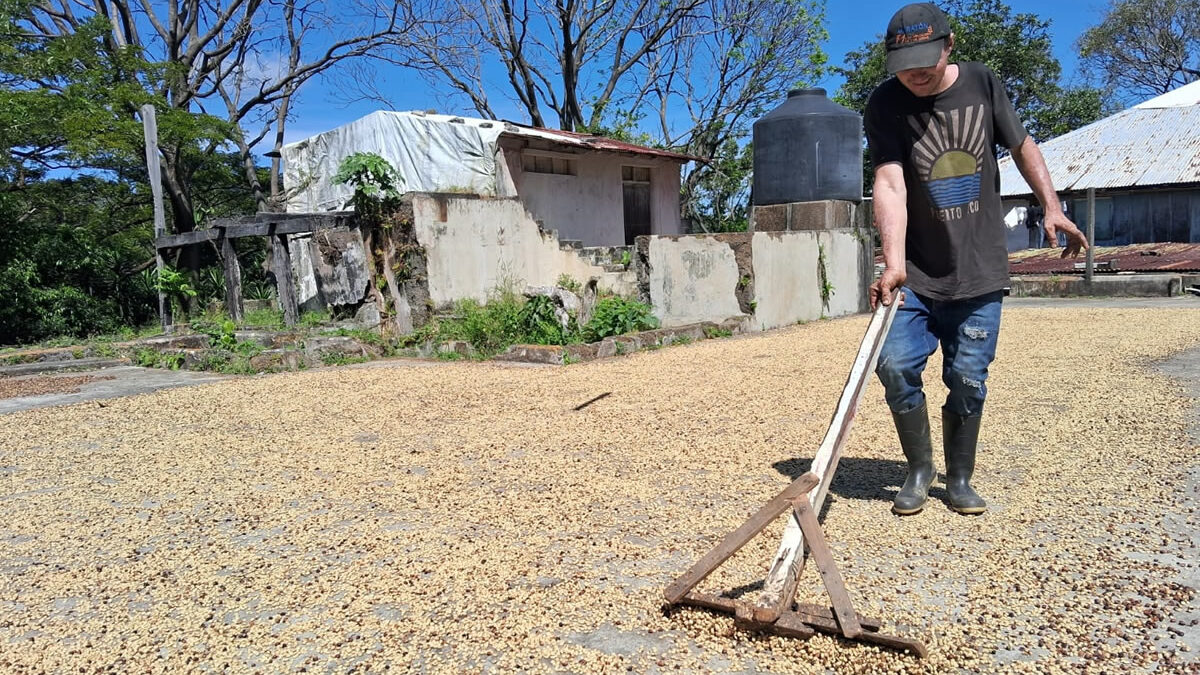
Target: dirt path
(464,518)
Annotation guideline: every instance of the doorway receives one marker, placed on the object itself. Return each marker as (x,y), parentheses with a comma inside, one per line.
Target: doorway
(635,187)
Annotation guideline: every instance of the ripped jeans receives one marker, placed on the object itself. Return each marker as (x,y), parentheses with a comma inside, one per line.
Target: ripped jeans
(967,330)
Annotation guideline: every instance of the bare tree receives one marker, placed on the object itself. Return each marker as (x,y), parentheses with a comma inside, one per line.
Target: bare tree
(240,60)
(686,74)
(565,57)
(722,75)
(1145,47)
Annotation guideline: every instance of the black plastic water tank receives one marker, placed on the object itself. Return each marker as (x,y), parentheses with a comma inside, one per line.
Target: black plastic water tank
(807,149)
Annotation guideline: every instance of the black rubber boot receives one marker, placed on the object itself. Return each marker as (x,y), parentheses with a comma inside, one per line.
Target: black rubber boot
(913,429)
(960,436)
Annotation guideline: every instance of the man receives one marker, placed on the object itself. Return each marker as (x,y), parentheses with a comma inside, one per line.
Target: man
(932,131)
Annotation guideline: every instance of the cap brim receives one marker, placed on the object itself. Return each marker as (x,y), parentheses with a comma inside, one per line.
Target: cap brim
(924,55)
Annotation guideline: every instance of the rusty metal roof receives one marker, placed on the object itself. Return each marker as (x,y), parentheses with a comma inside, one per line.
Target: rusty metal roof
(1154,143)
(1109,259)
(594,142)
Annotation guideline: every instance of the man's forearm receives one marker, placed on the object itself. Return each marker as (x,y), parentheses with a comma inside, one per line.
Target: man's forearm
(891,219)
(1032,165)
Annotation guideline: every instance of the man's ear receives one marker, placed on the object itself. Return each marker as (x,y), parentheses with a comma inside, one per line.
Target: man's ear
(950,43)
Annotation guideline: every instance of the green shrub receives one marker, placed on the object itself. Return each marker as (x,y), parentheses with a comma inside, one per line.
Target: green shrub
(490,328)
(376,185)
(540,324)
(615,315)
(175,285)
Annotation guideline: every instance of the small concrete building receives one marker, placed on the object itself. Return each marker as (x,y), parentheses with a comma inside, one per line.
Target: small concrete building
(593,190)
(1144,164)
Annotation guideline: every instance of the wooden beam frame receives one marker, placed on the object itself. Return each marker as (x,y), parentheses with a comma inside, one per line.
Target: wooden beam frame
(775,610)
(261,225)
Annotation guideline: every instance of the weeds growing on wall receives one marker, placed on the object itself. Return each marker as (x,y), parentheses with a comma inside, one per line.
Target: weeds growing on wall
(825,287)
(507,318)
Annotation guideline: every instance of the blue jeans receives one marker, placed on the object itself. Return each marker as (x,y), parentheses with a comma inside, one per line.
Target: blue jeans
(967,331)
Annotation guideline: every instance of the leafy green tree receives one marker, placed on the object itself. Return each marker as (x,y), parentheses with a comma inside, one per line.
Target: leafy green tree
(220,74)
(69,254)
(720,198)
(76,240)
(1143,48)
(1016,47)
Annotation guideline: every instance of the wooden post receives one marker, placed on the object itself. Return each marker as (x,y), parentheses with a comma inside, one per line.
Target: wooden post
(1091,237)
(233,279)
(150,128)
(281,264)
(780,584)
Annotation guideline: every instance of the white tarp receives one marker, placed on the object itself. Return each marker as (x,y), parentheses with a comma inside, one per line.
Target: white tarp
(433,153)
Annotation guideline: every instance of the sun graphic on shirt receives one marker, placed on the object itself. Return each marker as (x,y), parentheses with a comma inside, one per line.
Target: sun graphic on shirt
(949,154)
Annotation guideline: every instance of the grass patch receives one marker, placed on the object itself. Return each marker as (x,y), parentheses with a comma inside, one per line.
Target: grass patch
(339,359)
(264,318)
(712,332)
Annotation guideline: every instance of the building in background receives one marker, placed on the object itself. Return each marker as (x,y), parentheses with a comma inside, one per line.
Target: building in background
(590,189)
(1144,164)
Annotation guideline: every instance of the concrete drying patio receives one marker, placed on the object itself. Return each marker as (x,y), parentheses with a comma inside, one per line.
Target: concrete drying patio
(463,517)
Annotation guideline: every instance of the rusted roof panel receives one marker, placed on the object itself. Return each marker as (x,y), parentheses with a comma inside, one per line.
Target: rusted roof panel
(1133,148)
(593,142)
(1167,257)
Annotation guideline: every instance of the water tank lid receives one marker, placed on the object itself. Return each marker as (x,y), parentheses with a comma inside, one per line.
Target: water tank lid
(804,102)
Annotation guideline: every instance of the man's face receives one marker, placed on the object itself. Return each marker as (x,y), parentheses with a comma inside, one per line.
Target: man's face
(927,81)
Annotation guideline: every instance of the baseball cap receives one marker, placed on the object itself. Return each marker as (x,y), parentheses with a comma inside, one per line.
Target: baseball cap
(915,37)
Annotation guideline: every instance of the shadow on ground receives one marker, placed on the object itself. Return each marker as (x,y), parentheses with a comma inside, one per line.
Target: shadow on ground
(862,478)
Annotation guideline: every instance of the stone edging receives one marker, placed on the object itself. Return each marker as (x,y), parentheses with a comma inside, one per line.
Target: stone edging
(622,344)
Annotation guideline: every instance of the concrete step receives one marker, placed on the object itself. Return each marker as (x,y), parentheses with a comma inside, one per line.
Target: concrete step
(60,366)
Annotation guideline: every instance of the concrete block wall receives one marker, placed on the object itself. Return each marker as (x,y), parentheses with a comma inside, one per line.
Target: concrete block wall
(829,214)
(775,278)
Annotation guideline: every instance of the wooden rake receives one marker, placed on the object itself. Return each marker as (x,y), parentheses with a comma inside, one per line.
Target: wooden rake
(775,609)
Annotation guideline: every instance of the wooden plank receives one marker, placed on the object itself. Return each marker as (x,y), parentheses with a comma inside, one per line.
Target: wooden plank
(239,230)
(802,624)
(230,221)
(780,585)
(738,538)
(818,615)
(233,280)
(908,644)
(1091,235)
(793,626)
(233,228)
(302,226)
(185,239)
(278,216)
(154,169)
(843,608)
(285,288)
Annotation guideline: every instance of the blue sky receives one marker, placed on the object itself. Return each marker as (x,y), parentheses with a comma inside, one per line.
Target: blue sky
(849,23)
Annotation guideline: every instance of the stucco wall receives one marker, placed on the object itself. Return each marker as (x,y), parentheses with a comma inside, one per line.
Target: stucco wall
(773,277)
(474,245)
(589,206)
(692,279)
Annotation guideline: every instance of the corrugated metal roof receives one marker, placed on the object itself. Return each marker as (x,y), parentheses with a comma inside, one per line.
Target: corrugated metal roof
(571,138)
(594,142)
(1165,257)
(1152,144)
(1188,94)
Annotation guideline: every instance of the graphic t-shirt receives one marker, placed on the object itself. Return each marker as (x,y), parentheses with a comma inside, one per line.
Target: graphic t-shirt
(955,244)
